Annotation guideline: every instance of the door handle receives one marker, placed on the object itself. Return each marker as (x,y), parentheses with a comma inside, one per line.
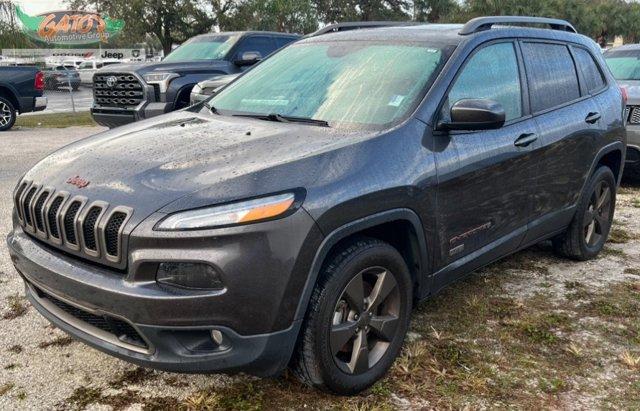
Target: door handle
(525,140)
(592,118)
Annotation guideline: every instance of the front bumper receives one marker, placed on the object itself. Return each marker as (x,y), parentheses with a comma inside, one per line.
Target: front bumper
(114,117)
(132,317)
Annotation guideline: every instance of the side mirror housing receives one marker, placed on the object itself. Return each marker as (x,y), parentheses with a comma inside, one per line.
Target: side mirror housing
(248,58)
(475,114)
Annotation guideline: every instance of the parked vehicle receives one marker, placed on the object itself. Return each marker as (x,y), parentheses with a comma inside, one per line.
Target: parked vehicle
(88,68)
(206,89)
(21,90)
(625,64)
(57,77)
(298,215)
(130,92)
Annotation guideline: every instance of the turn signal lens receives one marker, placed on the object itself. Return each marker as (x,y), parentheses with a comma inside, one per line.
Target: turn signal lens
(237,213)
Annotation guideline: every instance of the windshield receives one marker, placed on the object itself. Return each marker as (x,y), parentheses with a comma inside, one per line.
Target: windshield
(203,48)
(624,64)
(357,84)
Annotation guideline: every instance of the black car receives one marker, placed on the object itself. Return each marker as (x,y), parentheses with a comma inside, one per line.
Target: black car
(61,77)
(130,92)
(21,91)
(297,216)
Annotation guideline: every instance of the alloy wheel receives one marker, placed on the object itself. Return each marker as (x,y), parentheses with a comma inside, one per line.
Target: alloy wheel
(365,321)
(5,114)
(598,215)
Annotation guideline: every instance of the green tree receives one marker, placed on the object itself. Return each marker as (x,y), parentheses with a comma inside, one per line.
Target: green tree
(11,35)
(292,16)
(435,11)
(171,21)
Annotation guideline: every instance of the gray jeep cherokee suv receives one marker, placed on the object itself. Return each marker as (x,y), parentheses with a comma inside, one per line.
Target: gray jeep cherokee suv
(297,216)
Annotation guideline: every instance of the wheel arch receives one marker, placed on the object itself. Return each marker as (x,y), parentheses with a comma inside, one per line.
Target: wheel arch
(10,94)
(612,156)
(383,226)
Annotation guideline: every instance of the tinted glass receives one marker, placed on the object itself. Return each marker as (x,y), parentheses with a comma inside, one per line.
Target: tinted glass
(553,80)
(592,75)
(203,48)
(262,44)
(283,41)
(624,64)
(350,84)
(491,73)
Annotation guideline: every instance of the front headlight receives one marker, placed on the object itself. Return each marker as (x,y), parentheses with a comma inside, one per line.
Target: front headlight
(243,212)
(161,79)
(197,89)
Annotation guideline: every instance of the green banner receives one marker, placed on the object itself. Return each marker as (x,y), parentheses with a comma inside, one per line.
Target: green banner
(69,27)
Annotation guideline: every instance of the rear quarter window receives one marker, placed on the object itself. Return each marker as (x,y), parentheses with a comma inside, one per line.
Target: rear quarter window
(553,80)
(594,80)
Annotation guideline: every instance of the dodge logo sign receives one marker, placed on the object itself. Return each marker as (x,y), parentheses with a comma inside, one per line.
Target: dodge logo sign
(112,81)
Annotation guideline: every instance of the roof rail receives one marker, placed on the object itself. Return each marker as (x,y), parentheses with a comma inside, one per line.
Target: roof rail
(485,23)
(357,25)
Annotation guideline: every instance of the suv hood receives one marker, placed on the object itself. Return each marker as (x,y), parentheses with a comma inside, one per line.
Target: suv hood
(150,164)
(180,67)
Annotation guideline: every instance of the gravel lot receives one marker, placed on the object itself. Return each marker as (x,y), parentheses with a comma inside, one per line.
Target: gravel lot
(533,332)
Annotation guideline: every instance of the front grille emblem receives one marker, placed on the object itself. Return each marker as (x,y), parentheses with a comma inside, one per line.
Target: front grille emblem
(78,182)
(112,81)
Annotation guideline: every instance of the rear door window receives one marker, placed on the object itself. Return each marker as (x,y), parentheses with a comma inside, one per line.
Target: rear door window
(491,73)
(553,80)
(592,75)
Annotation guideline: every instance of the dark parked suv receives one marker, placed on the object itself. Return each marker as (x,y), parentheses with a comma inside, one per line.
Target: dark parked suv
(130,92)
(297,216)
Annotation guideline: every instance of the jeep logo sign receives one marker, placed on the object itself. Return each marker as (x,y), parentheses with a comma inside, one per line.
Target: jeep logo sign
(110,55)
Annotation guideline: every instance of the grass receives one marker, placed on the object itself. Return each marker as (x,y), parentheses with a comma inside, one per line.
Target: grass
(58,120)
(58,342)
(83,397)
(5,388)
(17,307)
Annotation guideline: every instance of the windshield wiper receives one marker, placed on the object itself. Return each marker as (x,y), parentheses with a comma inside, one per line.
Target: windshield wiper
(212,109)
(285,119)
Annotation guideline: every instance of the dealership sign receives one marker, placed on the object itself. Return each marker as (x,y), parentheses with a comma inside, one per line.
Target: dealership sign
(69,27)
(95,54)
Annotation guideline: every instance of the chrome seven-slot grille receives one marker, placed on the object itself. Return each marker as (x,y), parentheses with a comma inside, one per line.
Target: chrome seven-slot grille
(92,228)
(633,114)
(120,90)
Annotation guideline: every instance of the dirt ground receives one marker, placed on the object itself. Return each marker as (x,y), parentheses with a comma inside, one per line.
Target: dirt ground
(533,331)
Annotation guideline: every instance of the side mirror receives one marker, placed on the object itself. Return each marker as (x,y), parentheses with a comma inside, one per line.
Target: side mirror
(475,114)
(248,58)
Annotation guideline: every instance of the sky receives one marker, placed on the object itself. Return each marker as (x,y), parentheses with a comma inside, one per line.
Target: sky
(34,7)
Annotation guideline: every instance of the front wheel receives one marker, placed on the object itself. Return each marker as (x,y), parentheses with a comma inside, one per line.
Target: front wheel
(589,230)
(8,114)
(357,319)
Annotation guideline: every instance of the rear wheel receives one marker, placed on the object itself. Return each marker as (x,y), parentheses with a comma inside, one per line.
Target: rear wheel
(357,318)
(8,114)
(589,230)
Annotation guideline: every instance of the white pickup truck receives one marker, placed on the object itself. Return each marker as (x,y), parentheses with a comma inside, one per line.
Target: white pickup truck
(88,68)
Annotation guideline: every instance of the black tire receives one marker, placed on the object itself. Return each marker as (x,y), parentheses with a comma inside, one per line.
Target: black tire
(314,361)
(590,227)
(75,88)
(8,114)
